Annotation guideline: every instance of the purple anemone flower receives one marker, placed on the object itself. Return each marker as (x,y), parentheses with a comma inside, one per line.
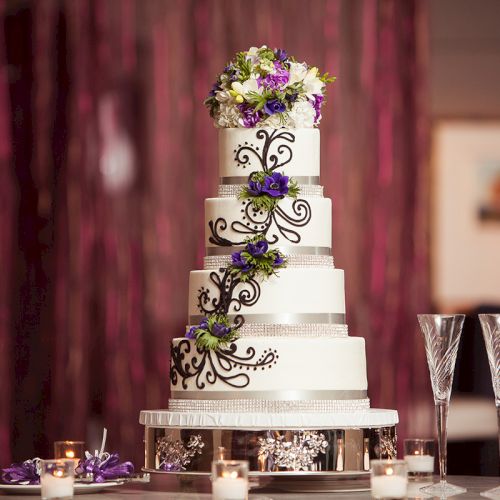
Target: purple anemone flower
(276,185)
(274,106)
(257,249)
(280,54)
(278,261)
(191,333)
(239,261)
(215,88)
(220,330)
(254,188)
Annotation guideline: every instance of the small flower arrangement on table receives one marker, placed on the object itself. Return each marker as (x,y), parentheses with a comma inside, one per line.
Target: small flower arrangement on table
(262,87)
(94,468)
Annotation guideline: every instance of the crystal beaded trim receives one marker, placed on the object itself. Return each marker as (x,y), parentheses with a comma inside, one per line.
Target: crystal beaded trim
(297,330)
(232,190)
(267,406)
(218,261)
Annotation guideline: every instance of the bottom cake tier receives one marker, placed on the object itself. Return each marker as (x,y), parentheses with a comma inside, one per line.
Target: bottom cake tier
(176,442)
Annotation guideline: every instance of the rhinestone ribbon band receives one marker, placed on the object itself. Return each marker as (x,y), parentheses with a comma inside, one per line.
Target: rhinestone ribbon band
(309,180)
(300,330)
(218,261)
(283,318)
(267,406)
(295,250)
(233,190)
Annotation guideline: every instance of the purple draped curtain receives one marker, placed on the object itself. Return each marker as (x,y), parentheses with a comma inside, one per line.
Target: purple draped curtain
(106,156)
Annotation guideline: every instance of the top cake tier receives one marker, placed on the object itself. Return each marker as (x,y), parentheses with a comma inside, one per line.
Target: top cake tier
(295,152)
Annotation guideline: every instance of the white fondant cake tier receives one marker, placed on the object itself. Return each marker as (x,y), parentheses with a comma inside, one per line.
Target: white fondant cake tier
(263,421)
(241,152)
(305,222)
(295,295)
(271,368)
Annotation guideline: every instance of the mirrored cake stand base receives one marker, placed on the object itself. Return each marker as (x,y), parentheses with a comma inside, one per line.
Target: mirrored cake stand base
(313,452)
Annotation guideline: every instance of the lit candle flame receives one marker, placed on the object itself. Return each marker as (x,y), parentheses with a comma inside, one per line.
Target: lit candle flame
(58,473)
(389,471)
(70,454)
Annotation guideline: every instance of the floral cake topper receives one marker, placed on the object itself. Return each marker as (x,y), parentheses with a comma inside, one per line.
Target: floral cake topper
(263,87)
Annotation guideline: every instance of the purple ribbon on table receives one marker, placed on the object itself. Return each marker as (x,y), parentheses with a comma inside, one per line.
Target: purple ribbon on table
(27,472)
(104,467)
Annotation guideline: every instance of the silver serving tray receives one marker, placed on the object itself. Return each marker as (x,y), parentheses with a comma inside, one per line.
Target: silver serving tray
(291,481)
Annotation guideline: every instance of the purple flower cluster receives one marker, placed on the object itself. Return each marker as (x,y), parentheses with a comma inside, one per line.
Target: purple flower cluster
(318,101)
(276,80)
(108,469)
(250,116)
(218,329)
(23,473)
(275,185)
(256,250)
(191,334)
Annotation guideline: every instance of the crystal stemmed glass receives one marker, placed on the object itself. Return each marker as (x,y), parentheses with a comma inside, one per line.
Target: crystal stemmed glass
(442,335)
(490,324)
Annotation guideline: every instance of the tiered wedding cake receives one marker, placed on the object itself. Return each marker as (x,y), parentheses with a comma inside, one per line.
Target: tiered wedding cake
(267,369)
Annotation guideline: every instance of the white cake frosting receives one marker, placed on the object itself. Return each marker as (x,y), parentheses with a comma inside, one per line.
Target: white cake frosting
(297,368)
(316,232)
(294,353)
(308,295)
(305,152)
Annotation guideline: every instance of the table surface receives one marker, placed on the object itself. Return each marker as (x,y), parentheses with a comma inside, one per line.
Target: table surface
(168,488)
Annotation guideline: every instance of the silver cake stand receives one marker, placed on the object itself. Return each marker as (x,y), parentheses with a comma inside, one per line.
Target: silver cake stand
(312,458)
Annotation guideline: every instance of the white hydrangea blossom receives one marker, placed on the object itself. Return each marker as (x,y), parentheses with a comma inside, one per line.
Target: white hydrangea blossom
(227,117)
(277,120)
(302,115)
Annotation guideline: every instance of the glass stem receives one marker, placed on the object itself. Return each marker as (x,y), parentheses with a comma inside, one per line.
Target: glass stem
(498,426)
(442,417)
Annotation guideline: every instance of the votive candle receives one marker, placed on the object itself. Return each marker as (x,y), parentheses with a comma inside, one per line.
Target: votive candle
(389,478)
(57,479)
(229,480)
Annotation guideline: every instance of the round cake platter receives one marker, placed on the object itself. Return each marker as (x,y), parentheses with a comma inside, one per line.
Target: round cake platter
(292,481)
(330,454)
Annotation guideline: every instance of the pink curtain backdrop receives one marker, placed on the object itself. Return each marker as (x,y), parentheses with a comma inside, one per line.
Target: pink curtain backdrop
(106,156)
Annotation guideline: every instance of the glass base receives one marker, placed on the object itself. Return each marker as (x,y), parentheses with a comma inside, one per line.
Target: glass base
(443,489)
(494,493)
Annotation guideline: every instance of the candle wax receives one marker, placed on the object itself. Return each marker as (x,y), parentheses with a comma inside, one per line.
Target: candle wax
(56,487)
(389,486)
(420,463)
(226,488)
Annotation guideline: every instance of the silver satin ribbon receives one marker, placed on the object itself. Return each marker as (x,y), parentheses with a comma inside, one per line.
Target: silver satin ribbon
(290,395)
(283,318)
(300,179)
(283,249)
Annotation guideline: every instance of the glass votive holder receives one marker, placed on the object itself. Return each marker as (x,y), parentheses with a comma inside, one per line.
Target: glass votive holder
(229,480)
(389,478)
(69,449)
(57,478)
(419,455)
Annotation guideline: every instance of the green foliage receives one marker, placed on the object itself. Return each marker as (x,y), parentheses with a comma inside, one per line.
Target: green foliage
(293,189)
(326,78)
(261,266)
(207,341)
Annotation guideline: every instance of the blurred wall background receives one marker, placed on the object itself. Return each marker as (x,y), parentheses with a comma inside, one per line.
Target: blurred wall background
(107,155)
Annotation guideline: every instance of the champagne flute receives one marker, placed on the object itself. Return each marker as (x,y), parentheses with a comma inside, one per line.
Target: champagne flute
(490,324)
(442,335)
